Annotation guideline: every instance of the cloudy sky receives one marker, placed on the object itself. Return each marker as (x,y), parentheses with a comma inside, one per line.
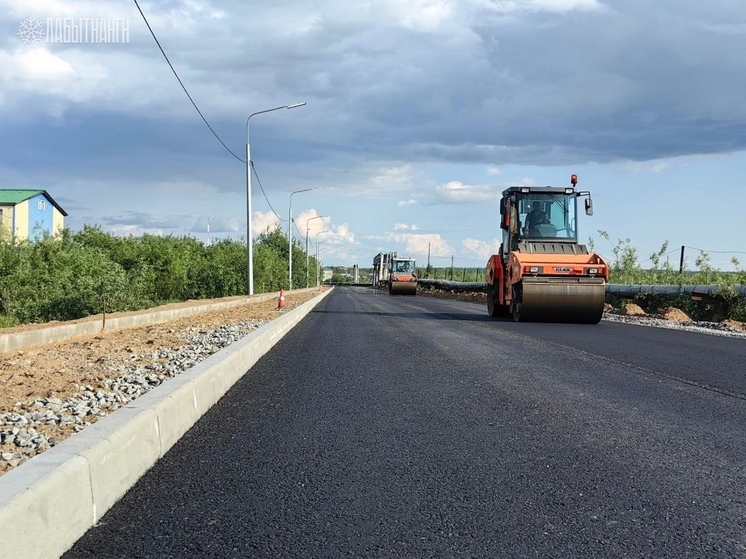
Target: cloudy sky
(418,114)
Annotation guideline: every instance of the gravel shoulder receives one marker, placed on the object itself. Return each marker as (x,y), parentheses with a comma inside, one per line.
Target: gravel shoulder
(51,391)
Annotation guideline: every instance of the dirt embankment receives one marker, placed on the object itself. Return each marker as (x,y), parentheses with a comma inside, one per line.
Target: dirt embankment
(64,369)
(56,370)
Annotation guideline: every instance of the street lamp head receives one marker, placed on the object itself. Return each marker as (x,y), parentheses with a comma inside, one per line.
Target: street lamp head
(294,105)
(312,218)
(299,191)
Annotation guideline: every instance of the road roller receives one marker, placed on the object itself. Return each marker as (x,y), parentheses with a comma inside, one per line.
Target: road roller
(402,276)
(542,273)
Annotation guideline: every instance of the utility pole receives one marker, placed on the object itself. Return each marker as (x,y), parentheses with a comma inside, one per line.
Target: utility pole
(452,267)
(428,260)
(681,261)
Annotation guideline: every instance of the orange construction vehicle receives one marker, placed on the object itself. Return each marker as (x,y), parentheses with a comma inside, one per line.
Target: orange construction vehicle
(399,275)
(402,276)
(542,273)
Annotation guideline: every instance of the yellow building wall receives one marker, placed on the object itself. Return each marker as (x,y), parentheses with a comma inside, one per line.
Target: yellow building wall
(58,222)
(21,214)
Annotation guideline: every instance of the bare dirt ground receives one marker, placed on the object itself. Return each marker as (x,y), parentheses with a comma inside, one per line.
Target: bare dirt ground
(58,369)
(480,298)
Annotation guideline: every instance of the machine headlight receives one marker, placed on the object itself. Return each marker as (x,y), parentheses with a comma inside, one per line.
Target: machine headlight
(592,270)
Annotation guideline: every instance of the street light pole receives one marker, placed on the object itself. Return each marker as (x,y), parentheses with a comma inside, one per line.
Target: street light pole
(290,235)
(317,217)
(249,239)
(317,254)
(318,263)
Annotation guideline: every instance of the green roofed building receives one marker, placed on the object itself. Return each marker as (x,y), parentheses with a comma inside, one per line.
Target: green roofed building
(27,214)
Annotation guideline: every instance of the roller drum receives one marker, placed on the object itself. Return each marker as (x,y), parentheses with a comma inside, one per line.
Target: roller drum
(565,300)
(403,288)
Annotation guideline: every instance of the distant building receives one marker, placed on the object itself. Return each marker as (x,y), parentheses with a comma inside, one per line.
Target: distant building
(28,214)
(328,273)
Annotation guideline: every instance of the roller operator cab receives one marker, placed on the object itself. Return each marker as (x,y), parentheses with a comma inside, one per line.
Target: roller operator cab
(542,273)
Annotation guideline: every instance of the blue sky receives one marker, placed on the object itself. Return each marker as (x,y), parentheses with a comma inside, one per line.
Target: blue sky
(418,114)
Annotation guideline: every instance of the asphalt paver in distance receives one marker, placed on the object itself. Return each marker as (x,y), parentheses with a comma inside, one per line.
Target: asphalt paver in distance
(411,427)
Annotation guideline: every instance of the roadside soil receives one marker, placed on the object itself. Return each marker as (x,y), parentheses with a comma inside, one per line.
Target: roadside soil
(59,369)
(480,298)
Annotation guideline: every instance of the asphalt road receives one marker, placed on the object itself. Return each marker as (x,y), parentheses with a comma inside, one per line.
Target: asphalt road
(414,427)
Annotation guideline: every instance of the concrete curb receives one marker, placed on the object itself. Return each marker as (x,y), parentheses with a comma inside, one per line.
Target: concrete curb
(48,503)
(20,340)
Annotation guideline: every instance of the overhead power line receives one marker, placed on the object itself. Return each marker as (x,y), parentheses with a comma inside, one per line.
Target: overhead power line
(718,251)
(302,236)
(157,42)
(264,193)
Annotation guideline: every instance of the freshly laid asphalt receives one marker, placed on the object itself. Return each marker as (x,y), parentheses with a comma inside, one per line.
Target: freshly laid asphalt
(415,427)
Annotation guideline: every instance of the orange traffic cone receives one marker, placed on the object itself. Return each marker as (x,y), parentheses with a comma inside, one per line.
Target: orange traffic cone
(281,300)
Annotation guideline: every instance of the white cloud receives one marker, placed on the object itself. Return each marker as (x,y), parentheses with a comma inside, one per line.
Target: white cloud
(393,178)
(342,233)
(481,249)
(38,64)
(417,244)
(135,230)
(563,5)
(423,15)
(492,170)
(375,179)
(310,221)
(262,221)
(405,227)
(43,9)
(516,8)
(335,242)
(456,192)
